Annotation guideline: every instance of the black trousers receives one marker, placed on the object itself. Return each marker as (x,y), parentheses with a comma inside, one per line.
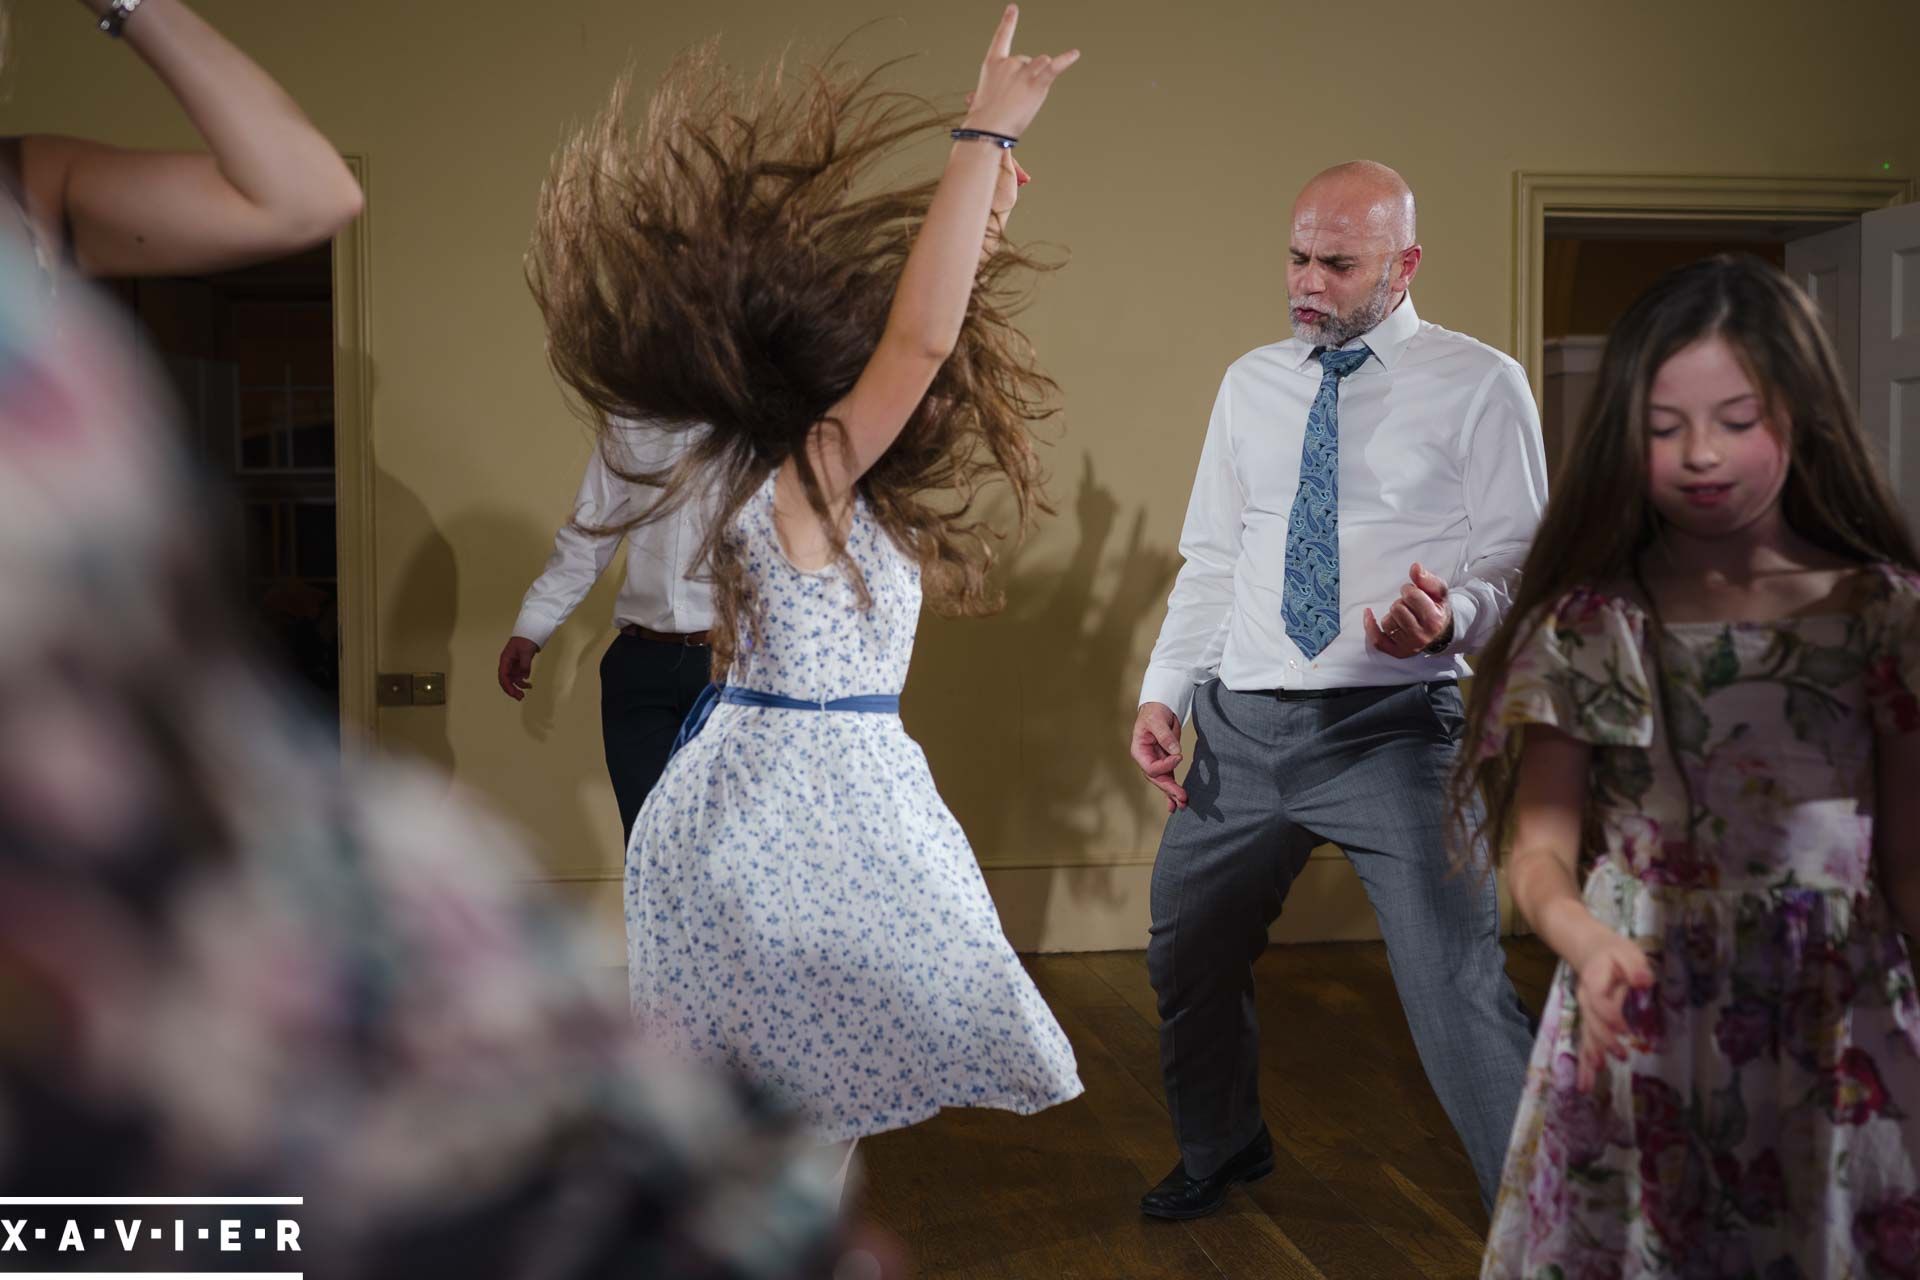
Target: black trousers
(646,689)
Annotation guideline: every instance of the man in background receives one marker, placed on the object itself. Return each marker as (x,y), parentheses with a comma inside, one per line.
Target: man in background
(658,661)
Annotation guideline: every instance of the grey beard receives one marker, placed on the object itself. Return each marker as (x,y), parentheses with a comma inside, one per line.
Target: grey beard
(1338,331)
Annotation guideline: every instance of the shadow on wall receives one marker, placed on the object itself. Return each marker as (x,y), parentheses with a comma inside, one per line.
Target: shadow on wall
(539,760)
(1024,715)
(416,621)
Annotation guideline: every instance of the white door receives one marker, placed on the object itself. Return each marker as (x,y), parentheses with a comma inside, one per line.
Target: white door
(1890,345)
(1827,266)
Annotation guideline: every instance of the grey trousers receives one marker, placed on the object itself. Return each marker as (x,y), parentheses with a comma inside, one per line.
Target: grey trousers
(1270,780)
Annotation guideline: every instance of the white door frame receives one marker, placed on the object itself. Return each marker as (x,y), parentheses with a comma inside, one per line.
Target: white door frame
(353,472)
(1666,198)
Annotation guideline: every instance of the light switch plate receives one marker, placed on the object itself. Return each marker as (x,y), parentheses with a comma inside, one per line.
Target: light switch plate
(429,689)
(393,689)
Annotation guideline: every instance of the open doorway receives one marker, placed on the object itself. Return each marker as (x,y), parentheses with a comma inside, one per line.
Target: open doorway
(1596,266)
(1852,242)
(272,369)
(250,353)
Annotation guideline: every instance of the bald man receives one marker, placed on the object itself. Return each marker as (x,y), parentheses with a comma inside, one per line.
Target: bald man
(1365,497)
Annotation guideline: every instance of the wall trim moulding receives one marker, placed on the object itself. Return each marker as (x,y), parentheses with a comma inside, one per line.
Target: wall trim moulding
(353,470)
(1538,196)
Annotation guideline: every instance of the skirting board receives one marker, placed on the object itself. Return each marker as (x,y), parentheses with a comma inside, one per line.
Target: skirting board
(1089,908)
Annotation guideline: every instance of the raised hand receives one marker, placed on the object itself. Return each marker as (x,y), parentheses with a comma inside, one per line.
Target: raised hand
(937,281)
(1013,86)
(1006,189)
(1416,621)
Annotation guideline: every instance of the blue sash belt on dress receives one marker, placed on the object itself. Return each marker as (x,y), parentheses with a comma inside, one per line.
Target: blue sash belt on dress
(715,694)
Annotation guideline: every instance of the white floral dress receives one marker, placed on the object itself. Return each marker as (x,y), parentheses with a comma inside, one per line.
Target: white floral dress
(1767,1121)
(800,902)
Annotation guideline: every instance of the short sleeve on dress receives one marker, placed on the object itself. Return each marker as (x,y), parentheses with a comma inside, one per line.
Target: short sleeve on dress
(1580,668)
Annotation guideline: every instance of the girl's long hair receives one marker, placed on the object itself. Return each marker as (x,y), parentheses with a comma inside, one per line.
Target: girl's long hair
(1601,521)
(726,269)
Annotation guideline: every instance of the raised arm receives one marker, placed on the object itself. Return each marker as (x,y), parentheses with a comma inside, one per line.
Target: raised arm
(930,303)
(269,184)
(1006,193)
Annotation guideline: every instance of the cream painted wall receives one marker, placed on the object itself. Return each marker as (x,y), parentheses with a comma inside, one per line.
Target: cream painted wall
(1166,163)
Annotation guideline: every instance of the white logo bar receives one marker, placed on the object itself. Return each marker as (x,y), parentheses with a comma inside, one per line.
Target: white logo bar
(62,1201)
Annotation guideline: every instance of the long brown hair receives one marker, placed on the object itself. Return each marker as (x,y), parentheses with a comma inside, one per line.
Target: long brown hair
(1600,519)
(724,269)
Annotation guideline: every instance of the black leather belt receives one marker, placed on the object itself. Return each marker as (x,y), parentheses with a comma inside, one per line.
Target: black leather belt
(1320,695)
(688,638)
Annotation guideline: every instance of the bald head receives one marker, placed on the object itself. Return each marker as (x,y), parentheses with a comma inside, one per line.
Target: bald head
(1360,197)
(1351,251)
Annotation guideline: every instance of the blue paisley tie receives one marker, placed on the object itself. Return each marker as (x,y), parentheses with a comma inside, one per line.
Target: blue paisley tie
(1310,602)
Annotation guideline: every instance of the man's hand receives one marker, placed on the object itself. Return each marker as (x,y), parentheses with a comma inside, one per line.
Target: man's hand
(1415,622)
(516,667)
(1156,749)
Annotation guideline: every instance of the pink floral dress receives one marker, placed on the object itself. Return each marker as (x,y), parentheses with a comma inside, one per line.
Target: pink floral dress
(1767,1120)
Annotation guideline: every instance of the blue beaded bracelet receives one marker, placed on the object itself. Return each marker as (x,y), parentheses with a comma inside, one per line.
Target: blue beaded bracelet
(1000,140)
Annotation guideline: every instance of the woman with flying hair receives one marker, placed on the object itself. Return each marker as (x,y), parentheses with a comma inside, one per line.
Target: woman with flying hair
(800,904)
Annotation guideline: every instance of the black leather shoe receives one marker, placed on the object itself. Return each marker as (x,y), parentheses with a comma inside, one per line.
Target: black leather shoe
(1179,1196)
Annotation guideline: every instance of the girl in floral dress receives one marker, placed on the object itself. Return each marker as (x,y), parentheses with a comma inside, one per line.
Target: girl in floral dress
(1695,744)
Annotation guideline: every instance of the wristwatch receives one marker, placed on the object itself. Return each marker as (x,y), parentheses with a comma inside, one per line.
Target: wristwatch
(1439,646)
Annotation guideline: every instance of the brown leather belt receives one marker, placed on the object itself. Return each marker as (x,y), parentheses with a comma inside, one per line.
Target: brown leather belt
(688,638)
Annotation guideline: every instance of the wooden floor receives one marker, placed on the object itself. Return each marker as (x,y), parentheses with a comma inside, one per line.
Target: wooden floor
(1370,1182)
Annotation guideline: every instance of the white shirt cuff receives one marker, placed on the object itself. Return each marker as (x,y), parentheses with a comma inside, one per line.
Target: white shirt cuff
(1465,609)
(536,627)
(1169,688)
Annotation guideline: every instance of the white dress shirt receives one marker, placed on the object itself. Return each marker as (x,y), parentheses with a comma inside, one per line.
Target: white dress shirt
(659,593)
(1441,462)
